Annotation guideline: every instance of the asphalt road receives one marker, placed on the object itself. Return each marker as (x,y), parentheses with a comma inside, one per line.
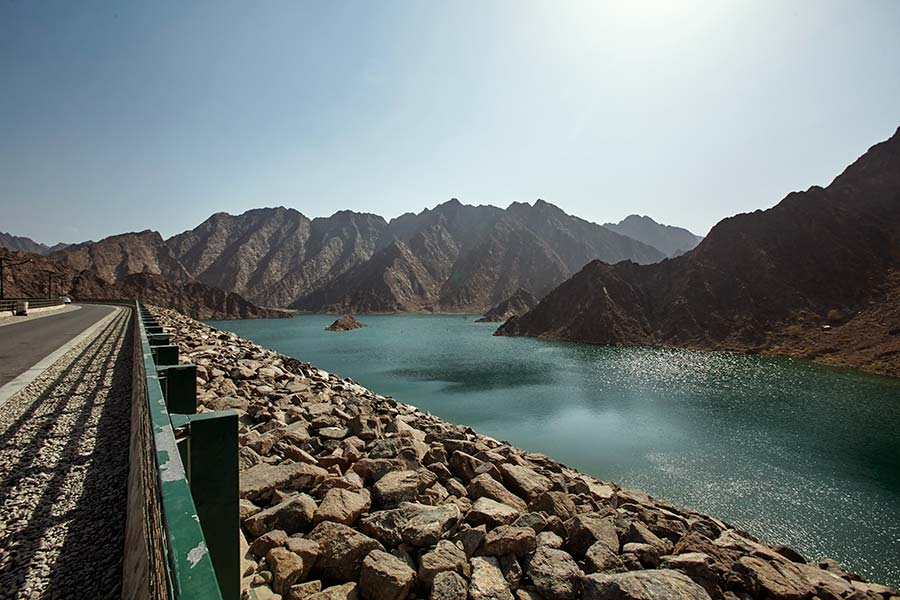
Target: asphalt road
(23,345)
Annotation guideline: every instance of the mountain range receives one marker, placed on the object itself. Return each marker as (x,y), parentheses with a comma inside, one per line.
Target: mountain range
(24,244)
(817,276)
(452,258)
(672,241)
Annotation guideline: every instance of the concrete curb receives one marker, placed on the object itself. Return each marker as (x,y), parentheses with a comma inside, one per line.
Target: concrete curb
(13,387)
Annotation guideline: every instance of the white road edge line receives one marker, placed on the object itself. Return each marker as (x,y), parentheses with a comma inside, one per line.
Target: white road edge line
(13,387)
(4,321)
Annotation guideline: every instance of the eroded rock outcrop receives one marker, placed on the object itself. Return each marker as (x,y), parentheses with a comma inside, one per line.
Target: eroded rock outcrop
(347,493)
(345,323)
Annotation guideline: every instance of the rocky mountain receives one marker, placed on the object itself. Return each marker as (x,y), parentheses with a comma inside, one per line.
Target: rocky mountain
(816,276)
(671,241)
(25,244)
(460,258)
(516,305)
(273,256)
(118,256)
(197,299)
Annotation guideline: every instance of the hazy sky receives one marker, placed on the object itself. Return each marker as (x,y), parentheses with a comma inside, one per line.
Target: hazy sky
(125,116)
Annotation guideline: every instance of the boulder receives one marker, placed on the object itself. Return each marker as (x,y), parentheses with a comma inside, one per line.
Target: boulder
(259,481)
(490,513)
(287,568)
(430,524)
(449,585)
(555,574)
(662,584)
(775,579)
(599,558)
(343,506)
(701,568)
(487,582)
(347,591)
(261,545)
(588,529)
(302,591)
(507,539)
(485,486)
(293,515)
(385,577)
(341,551)
(396,487)
(554,503)
(445,556)
(523,481)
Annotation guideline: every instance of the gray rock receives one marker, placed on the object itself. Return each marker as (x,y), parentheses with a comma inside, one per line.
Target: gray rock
(487,582)
(385,577)
(507,539)
(555,574)
(341,551)
(661,584)
(449,585)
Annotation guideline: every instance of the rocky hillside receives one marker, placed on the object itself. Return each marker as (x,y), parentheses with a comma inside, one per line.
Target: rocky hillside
(346,494)
(671,241)
(25,244)
(816,276)
(275,255)
(516,305)
(459,258)
(118,256)
(193,298)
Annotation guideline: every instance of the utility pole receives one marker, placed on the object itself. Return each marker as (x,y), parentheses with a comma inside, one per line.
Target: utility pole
(9,263)
(50,276)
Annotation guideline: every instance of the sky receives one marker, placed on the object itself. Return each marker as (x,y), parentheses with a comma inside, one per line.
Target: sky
(121,117)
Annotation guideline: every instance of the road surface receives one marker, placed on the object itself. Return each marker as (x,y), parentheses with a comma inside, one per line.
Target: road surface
(23,345)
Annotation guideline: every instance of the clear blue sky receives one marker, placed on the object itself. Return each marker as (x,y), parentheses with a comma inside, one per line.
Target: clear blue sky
(124,116)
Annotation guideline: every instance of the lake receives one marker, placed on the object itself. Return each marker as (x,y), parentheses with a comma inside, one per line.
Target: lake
(795,453)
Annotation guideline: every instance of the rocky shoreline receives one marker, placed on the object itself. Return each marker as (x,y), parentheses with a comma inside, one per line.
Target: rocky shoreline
(346,494)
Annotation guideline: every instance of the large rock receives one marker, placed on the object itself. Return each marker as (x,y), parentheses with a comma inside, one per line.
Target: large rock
(287,568)
(703,570)
(485,486)
(445,556)
(293,515)
(660,584)
(555,574)
(343,506)
(507,539)
(449,585)
(525,482)
(776,579)
(416,524)
(588,529)
(341,551)
(261,480)
(385,577)
(346,591)
(396,487)
(487,581)
(490,513)
(554,503)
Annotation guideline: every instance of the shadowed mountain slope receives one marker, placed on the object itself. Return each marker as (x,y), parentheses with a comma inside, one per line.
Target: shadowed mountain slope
(671,241)
(817,276)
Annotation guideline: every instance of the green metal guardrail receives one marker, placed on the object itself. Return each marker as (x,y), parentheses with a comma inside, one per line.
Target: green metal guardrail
(196,474)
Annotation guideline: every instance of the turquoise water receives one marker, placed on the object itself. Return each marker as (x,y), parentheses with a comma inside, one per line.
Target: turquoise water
(795,453)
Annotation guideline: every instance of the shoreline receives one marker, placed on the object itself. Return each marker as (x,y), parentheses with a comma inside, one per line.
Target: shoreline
(353,440)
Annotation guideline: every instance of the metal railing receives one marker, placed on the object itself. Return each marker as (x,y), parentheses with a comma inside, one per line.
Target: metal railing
(9,304)
(189,516)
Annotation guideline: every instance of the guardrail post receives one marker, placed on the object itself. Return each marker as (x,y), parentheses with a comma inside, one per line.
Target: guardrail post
(158,339)
(165,355)
(179,385)
(213,475)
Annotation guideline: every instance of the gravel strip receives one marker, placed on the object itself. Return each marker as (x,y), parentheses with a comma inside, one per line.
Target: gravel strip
(64,473)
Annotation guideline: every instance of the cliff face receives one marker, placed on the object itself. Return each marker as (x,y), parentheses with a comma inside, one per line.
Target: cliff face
(796,278)
(275,255)
(671,241)
(458,258)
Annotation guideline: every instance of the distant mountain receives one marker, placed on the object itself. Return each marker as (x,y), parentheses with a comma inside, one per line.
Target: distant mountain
(24,244)
(460,258)
(118,256)
(198,300)
(516,305)
(273,256)
(816,276)
(671,241)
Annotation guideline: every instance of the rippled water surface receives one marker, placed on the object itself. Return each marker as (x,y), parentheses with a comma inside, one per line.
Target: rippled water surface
(795,453)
